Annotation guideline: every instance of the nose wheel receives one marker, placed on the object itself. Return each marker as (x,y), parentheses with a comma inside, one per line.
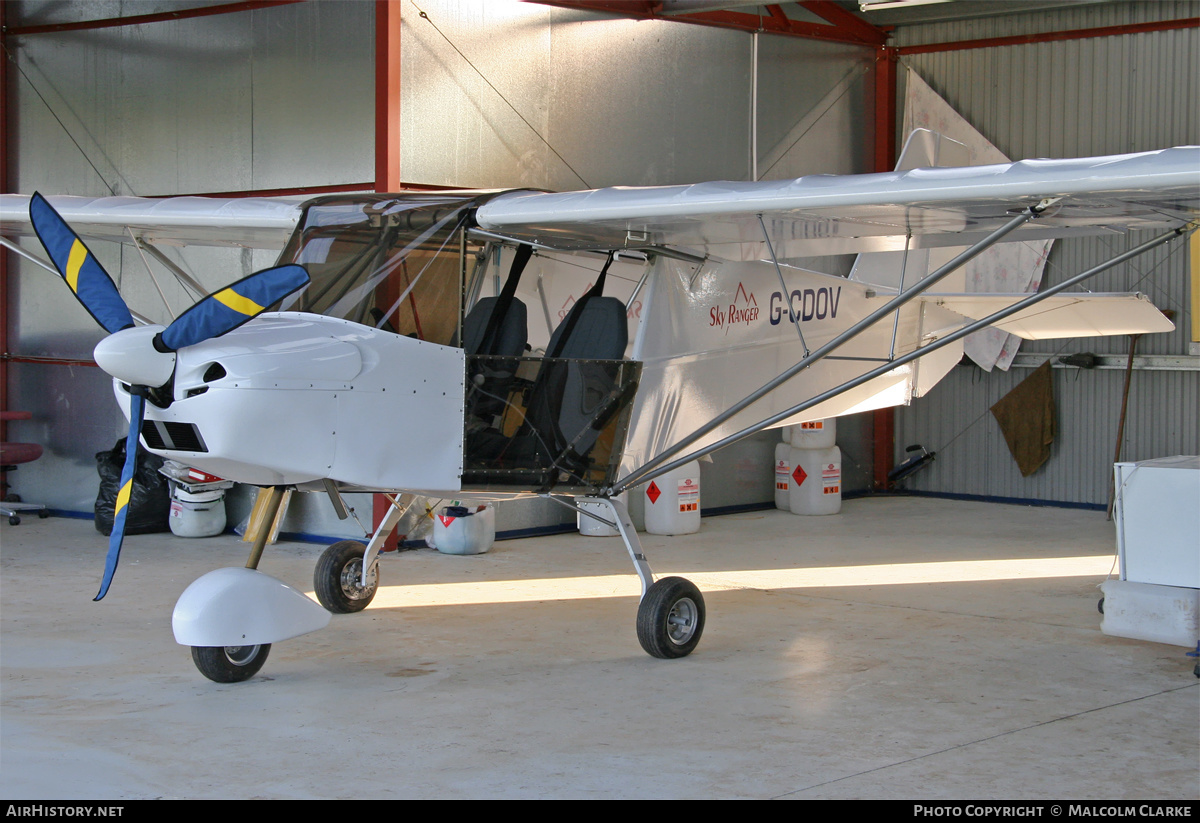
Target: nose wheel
(230,664)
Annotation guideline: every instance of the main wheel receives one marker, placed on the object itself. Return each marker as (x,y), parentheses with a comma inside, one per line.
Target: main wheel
(230,664)
(670,618)
(338,578)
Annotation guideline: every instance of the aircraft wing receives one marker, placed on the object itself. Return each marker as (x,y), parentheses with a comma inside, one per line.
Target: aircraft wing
(833,214)
(239,222)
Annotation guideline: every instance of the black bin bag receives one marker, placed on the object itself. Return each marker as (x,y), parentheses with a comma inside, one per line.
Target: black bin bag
(149,499)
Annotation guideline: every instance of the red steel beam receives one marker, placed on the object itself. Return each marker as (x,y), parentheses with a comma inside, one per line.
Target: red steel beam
(387,95)
(846,21)
(774,22)
(883,421)
(140,19)
(1054,36)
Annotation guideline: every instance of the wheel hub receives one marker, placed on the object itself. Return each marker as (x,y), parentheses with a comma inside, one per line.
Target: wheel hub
(240,655)
(681,622)
(351,580)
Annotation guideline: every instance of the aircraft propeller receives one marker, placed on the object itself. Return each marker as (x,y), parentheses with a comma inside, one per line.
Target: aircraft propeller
(144,358)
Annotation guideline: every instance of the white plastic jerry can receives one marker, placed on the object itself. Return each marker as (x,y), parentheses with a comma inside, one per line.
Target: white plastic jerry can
(816,481)
(673,501)
(464,530)
(783,475)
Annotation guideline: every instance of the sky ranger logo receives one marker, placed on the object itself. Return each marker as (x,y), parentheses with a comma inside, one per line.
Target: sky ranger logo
(743,309)
(806,304)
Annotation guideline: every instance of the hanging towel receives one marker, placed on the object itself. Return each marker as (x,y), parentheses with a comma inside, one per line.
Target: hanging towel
(1026,416)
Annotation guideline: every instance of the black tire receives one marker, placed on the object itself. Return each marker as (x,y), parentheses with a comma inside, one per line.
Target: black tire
(338,575)
(1100,605)
(13,520)
(230,664)
(670,618)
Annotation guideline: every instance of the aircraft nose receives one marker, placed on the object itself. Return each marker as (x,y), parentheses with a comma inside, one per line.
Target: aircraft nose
(130,356)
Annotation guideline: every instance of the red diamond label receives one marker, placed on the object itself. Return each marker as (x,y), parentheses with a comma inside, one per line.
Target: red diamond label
(653,492)
(799,476)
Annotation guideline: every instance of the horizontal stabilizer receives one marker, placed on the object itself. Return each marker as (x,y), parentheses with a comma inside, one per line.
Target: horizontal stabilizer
(1063,315)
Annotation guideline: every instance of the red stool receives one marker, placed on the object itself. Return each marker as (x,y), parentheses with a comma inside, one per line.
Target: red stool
(11,456)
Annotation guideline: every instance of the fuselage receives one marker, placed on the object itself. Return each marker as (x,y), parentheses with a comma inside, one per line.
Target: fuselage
(291,398)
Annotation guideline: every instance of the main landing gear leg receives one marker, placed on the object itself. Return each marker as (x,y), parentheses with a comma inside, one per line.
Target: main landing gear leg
(670,616)
(347,574)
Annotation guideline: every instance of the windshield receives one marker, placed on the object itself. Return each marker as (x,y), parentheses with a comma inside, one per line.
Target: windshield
(385,260)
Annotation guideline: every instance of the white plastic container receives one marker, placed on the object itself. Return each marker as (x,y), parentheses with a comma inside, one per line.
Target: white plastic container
(783,475)
(816,481)
(197,514)
(673,501)
(591,527)
(815,434)
(470,533)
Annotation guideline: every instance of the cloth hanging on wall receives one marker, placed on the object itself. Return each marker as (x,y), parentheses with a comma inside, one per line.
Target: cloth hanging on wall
(1026,417)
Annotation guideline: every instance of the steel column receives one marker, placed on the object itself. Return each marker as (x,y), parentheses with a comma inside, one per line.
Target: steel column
(883,421)
(387,158)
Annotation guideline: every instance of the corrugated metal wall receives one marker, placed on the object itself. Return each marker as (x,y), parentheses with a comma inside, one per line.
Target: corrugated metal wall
(1125,93)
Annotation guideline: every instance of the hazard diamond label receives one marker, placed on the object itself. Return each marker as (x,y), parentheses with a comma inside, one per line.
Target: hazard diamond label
(799,475)
(653,492)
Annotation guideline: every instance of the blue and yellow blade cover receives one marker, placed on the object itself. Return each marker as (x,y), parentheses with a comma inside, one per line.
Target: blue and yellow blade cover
(225,310)
(137,408)
(79,267)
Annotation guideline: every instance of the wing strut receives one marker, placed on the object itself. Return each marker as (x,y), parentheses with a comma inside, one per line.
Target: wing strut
(892,305)
(647,471)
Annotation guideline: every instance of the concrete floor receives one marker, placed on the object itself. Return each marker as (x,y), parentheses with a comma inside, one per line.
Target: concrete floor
(907,648)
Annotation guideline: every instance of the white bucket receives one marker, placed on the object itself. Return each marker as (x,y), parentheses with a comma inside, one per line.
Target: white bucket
(473,533)
(673,501)
(783,475)
(816,481)
(815,434)
(197,514)
(591,527)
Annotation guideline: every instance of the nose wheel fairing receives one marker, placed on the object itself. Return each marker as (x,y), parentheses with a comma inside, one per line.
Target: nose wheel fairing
(237,607)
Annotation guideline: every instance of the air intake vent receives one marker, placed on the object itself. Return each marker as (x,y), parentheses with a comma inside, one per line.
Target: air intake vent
(183,437)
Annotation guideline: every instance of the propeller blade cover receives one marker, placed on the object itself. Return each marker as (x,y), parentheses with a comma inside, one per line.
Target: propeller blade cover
(137,409)
(84,275)
(225,310)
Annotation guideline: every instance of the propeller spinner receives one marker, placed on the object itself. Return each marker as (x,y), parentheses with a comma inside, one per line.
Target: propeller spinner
(145,357)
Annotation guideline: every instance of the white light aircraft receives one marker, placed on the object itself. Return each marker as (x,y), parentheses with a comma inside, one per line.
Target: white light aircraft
(572,345)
